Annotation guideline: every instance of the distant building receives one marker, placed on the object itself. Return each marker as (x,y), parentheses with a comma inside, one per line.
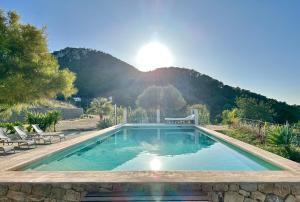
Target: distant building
(77,99)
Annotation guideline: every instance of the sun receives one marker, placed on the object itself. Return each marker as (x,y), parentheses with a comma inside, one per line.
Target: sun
(155,164)
(153,55)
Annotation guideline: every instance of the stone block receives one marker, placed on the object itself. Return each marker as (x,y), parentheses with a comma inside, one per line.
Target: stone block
(66,186)
(5,199)
(41,190)
(78,187)
(3,190)
(281,190)
(295,189)
(244,193)
(273,198)
(220,187)
(57,193)
(234,187)
(249,187)
(26,188)
(15,195)
(206,187)
(258,196)
(15,187)
(233,197)
(266,188)
(216,196)
(290,198)
(72,195)
(35,198)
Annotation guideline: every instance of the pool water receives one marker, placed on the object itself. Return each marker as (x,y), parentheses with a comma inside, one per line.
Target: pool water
(152,148)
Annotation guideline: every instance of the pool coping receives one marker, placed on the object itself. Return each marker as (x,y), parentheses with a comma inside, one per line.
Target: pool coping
(9,175)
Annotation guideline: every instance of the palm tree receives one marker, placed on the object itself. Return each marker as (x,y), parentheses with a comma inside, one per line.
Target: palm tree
(100,106)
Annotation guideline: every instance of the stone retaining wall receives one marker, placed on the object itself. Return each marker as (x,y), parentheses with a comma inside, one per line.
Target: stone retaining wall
(66,113)
(229,192)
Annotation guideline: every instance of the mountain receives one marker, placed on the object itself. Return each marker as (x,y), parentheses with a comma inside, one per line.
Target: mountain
(100,74)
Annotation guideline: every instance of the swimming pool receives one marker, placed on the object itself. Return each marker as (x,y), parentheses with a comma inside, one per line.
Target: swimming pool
(158,148)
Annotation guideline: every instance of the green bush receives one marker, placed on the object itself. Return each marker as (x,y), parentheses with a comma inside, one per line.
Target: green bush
(44,120)
(9,126)
(294,153)
(229,117)
(104,123)
(279,135)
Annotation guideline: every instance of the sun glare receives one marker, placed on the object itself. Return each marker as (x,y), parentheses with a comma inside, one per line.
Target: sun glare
(153,55)
(155,164)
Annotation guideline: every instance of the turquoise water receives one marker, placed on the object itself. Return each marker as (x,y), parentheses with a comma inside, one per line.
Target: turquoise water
(152,148)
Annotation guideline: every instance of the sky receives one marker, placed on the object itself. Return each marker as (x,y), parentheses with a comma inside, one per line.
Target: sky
(252,44)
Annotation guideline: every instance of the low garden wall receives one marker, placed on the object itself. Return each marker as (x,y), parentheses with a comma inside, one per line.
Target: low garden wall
(228,192)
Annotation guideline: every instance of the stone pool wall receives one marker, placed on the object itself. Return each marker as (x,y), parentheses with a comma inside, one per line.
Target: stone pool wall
(228,192)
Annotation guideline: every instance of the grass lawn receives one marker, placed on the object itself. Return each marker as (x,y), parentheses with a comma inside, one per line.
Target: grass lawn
(290,152)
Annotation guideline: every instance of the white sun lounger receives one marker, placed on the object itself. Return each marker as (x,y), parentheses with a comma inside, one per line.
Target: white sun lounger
(5,139)
(188,118)
(25,136)
(3,135)
(44,134)
(7,149)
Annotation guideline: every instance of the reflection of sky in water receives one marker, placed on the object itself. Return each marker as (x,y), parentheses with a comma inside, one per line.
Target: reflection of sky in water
(153,149)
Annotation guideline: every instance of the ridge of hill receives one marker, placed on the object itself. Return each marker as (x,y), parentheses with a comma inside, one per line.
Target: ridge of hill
(101,74)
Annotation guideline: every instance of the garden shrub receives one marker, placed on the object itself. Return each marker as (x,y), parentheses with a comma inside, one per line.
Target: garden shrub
(44,120)
(104,123)
(279,135)
(229,117)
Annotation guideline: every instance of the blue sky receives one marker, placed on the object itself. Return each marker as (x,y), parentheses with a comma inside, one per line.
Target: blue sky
(251,44)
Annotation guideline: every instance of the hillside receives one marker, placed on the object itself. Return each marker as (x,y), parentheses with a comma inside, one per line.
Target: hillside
(100,74)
